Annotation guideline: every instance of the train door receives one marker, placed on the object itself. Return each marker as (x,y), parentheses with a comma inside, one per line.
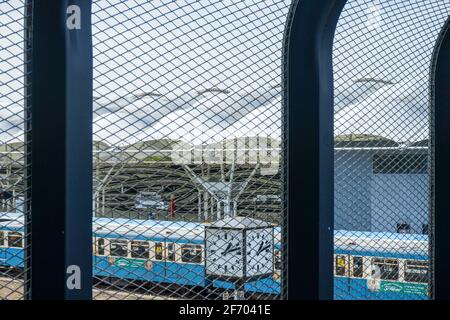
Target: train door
(164,256)
(2,248)
(349,276)
(341,272)
(157,255)
(95,253)
(357,284)
(100,247)
(172,271)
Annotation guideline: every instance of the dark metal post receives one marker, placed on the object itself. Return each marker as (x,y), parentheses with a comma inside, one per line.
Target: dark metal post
(28,31)
(440,171)
(61,250)
(308,153)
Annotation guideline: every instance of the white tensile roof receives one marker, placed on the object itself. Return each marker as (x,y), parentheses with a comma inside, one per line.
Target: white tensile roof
(357,91)
(121,120)
(399,112)
(264,121)
(11,123)
(208,117)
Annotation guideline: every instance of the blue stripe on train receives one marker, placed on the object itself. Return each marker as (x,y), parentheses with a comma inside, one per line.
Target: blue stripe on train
(193,275)
(356,289)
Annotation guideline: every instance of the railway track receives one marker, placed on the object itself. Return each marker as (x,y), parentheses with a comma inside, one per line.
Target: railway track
(12,283)
(11,288)
(105,288)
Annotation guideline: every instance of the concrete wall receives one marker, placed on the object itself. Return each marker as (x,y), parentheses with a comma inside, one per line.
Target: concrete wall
(397,198)
(352,175)
(377,202)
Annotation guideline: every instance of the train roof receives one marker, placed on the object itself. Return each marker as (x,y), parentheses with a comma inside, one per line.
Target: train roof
(385,243)
(179,231)
(381,235)
(362,242)
(11,220)
(147,223)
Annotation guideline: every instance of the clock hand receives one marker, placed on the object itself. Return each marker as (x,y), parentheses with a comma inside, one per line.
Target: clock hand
(263,249)
(260,246)
(234,249)
(230,250)
(227,249)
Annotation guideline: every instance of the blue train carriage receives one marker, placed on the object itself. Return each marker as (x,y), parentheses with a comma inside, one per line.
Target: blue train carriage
(173,252)
(11,240)
(160,252)
(153,251)
(380,266)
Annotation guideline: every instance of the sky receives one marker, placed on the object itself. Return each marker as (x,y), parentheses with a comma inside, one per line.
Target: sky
(169,46)
(178,46)
(390,40)
(174,47)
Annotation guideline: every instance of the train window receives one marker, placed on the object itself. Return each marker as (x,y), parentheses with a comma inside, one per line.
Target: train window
(340,265)
(2,238)
(170,251)
(357,269)
(403,228)
(159,251)
(389,268)
(14,240)
(118,248)
(191,253)
(100,247)
(277,260)
(139,249)
(416,271)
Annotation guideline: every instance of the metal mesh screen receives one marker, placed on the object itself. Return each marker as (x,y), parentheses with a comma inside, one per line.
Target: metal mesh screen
(187,130)
(14,72)
(382,55)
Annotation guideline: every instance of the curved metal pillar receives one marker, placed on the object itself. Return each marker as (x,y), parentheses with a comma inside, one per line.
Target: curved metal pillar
(308,153)
(61,142)
(440,171)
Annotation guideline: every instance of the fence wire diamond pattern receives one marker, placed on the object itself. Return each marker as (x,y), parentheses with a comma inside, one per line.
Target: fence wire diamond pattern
(15,52)
(187,136)
(382,55)
(187,130)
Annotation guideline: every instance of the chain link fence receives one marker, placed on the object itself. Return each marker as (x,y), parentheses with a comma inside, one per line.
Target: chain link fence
(187,134)
(382,55)
(15,50)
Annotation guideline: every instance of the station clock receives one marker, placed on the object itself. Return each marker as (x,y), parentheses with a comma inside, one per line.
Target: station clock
(239,248)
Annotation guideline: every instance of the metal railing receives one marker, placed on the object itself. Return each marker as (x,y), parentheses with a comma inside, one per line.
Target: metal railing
(187,134)
(15,55)
(382,56)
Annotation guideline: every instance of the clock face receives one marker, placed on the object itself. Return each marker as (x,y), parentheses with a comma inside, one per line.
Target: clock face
(259,252)
(224,252)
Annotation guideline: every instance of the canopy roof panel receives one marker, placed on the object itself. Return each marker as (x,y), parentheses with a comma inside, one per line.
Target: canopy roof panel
(368,107)
(398,112)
